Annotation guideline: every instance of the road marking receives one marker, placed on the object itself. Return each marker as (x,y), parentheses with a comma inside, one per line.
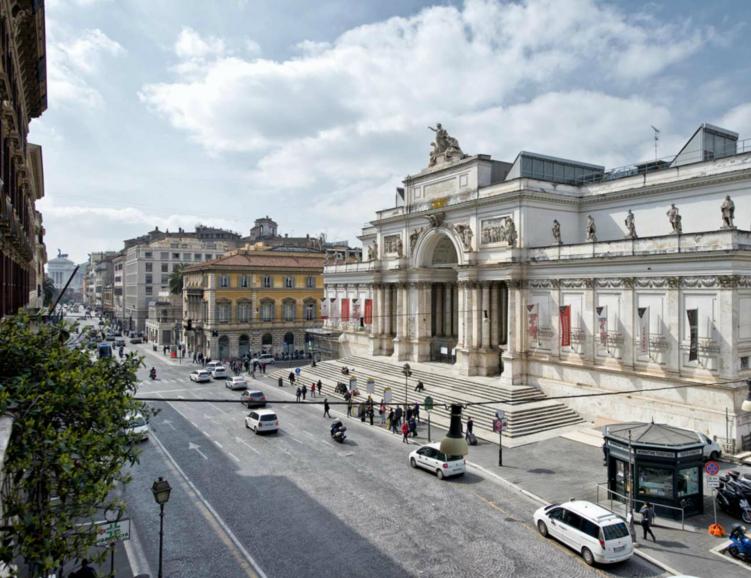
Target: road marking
(181,396)
(295,439)
(218,444)
(249,565)
(169,423)
(139,564)
(204,432)
(233,456)
(242,441)
(192,446)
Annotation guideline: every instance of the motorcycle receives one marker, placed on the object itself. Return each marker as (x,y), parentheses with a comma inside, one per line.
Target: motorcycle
(740,544)
(732,498)
(152,374)
(337,431)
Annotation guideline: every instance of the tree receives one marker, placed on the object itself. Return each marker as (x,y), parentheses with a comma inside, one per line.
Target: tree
(176,280)
(50,291)
(68,443)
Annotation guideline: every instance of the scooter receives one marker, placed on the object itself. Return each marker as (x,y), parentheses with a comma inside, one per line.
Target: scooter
(152,374)
(740,544)
(732,499)
(337,431)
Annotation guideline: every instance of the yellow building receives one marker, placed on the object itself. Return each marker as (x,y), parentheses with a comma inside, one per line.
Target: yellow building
(252,300)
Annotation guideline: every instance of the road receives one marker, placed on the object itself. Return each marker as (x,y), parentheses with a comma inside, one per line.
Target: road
(298,504)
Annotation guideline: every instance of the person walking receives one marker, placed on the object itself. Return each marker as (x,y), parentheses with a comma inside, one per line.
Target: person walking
(349,407)
(313,389)
(413,426)
(420,386)
(298,393)
(85,571)
(326,407)
(195,357)
(398,416)
(370,413)
(405,433)
(647,518)
(382,412)
(304,391)
(291,378)
(470,427)
(390,421)
(416,412)
(320,387)
(280,382)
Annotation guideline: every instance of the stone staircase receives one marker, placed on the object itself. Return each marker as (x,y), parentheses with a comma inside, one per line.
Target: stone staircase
(527,411)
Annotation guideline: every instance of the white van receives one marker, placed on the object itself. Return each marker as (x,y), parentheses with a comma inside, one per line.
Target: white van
(262,420)
(212,365)
(591,530)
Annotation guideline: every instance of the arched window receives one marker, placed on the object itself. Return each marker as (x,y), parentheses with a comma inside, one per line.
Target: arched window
(309,310)
(267,310)
(267,342)
(244,345)
(223,311)
(243,311)
(223,347)
(288,310)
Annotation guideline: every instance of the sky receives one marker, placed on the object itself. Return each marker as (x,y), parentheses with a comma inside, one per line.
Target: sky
(171,113)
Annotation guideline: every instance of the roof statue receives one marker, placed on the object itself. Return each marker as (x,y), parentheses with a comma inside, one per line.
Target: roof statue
(444,148)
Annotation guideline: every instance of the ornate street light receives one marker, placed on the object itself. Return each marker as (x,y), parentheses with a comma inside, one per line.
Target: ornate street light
(454,443)
(407,371)
(161,490)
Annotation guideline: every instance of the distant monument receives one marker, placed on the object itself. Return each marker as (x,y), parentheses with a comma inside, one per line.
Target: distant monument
(444,148)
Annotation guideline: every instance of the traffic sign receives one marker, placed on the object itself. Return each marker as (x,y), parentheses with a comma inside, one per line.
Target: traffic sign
(298,371)
(370,385)
(500,414)
(427,403)
(109,532)
(712,468)
(713,481)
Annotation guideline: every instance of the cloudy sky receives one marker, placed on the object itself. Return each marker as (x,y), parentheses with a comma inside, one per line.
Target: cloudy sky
(175,112)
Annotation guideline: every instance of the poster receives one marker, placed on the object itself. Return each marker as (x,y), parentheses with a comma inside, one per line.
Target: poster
(368,311)
(565,316)
(602,324)
(532,321)
(693,326)
(324,308)
(643,329)
(345,309)
(356,310)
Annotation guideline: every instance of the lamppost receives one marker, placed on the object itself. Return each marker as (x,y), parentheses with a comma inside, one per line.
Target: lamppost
(161,490)
(407,371)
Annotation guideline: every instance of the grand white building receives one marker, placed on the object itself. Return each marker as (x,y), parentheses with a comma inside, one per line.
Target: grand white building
(565,276)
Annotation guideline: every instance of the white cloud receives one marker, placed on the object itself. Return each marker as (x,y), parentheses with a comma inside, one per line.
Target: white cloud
(738,119)
(191,45)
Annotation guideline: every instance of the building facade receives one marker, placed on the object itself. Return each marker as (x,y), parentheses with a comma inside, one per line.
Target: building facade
(164,322)
(563,275)
(255,299)
(23,84)
(59,269)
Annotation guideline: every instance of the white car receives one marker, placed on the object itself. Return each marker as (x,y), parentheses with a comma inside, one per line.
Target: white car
(262,420)
(200,376)
(263,359)
(211,365)
(219,372)
(236,382)
(430,457)
(590,530)
(137,427)
(712,450)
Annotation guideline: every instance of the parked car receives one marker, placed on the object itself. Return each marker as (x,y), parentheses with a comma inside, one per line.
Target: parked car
(136,340)
(219,372)
(120,342)
(236,382)
(263,359)
(591,530)
(137,427)
(429,457)
(253,398)
(712,450)
(262,420)
(213,364)
(200,376)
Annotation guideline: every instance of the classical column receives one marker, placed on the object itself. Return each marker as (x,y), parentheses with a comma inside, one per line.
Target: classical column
(476,316)
(628,323)
(387,310)
(589,348)
(675,327)
(438,307)
(455,305)
(729,305)
(485,316)
(449,303)
(462,309)
(555,318)
(378,314)
(494,314)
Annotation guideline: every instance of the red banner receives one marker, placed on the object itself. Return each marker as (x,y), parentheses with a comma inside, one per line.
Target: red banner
(565,316)
(345,310)
(368,311)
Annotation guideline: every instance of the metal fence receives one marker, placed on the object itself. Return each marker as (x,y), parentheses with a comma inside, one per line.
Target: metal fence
(611,496)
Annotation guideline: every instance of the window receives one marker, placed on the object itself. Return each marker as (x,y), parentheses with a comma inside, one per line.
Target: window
(223,312)
(268,282)
(148,290)
(310,311)
(687,481)
(745,362)
(165,267)
(224,281)
(615,531)
(175,266)
(176,256)
(310,282)
(289,282)
(243,280)
(289,311)
(589,528)
(267,311)
(149,267)
(149,279)
(655,482)
(572,519)
(163,256)
(147,254)
(556,514)
(243,311)
(197,257)
(208,256)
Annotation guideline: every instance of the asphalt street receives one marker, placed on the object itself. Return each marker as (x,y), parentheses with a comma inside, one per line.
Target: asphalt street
(298,504)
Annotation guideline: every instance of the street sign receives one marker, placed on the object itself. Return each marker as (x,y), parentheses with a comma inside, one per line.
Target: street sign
(713,481)
(370,385)
(712,468)
(427,403)
(298,371)
(109,532)
(387,395)
(500,414)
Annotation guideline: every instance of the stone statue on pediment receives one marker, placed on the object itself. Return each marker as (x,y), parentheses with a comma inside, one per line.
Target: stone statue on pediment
(399,247)
(557,232)
(728,213)
(373,251)
(414,235)
(509,232)
(591,229)
(444,148)
(630,226)
(675,219)
(436,219)
(465,234)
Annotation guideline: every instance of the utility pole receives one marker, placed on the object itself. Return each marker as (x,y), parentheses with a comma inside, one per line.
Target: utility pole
(656,138)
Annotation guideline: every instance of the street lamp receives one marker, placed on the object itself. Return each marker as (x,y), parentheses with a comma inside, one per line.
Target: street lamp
(161,490)
(407,371)
(454,443)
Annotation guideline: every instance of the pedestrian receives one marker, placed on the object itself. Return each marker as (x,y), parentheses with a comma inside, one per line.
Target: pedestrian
(647,518)
(408,413)
(320,387)
(413,426)
(280,382)
(382,412)
(298,393)
(398,416)
(416,412)
(313,389)
(194,357)
(363,411)
(390,420)
(405,433)
(349,407)
(370,413)
(470,427)
(326,407)
(419,386)
(304,391)
(85,571)
(291,378)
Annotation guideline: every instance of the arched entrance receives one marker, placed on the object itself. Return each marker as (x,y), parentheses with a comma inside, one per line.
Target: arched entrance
(223,347)
(244,345)
(289,342)
(267,343)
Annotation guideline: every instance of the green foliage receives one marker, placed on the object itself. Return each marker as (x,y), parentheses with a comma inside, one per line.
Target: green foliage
(176,280)
(68,443)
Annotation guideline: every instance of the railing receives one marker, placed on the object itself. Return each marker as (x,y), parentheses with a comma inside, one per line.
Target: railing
(609,494)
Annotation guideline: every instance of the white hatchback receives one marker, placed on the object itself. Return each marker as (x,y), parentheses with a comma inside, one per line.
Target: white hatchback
(138,428)
(200,376)
(590,530)
(431,458)
(236,382)
(219,372)
(262,420)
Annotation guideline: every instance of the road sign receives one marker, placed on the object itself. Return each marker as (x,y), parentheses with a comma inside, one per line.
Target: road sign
(500,414)
(108,532)
(427,403)
(298,371)
(712,468)
(370,385)
(713,481)
(387,395)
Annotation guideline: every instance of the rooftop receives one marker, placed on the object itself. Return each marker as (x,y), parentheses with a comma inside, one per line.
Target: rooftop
(652,434)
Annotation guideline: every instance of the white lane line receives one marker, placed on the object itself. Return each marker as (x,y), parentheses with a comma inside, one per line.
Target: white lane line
(310,435)
(295,439)
(255,570)
(204,432)
(218,444)
(250,447)
(139,564)
(181,396)
(233,456)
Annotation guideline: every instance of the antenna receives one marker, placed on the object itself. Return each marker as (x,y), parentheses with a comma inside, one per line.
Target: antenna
(656,137)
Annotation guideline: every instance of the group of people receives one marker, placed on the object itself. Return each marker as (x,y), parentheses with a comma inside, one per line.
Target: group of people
(302,391)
